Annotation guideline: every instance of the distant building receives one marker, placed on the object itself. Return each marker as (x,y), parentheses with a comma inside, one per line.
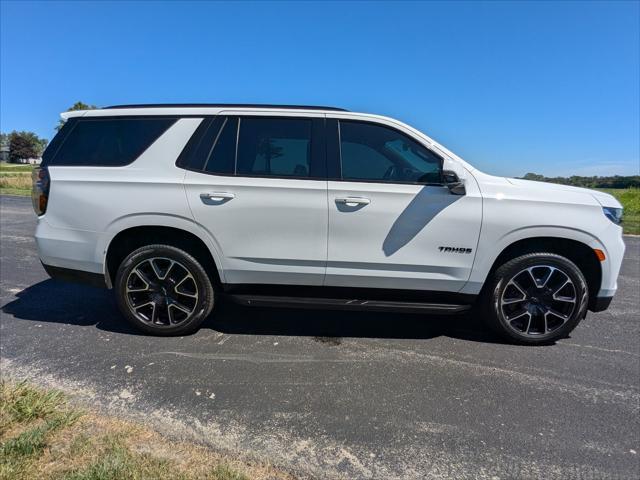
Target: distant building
(4,153)
(30,161)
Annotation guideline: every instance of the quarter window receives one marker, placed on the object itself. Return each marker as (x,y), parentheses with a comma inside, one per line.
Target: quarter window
(106,142)
(376,153)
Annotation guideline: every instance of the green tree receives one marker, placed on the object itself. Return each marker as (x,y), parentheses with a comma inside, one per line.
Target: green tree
(23,145)
(74,107)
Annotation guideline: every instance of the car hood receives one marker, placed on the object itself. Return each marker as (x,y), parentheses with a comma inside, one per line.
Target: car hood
(604,199)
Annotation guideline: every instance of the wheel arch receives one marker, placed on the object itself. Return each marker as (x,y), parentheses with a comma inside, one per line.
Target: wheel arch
(129,239)
(578,252)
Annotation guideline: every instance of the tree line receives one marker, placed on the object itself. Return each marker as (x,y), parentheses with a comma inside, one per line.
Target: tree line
(612,181)
(24,145)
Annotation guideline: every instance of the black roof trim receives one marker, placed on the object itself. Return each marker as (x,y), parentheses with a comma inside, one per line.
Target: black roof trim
(224,105)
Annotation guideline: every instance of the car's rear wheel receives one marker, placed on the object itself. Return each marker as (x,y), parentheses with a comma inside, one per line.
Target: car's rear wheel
(536,298)
(162,290)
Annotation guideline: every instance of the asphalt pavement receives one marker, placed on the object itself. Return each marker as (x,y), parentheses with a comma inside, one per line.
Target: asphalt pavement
(332,394)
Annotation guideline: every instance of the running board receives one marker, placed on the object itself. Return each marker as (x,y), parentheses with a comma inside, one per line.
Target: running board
(348,304)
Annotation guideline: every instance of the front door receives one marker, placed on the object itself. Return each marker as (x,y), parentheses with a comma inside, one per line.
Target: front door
(391,222)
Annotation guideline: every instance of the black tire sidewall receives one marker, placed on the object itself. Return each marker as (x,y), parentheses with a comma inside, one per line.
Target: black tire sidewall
(504,273)
(203,307)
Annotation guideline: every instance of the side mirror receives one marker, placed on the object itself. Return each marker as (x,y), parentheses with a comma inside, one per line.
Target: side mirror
(453,182)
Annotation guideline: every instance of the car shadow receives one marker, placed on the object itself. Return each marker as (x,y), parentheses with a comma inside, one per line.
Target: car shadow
(51,301)
(424,207)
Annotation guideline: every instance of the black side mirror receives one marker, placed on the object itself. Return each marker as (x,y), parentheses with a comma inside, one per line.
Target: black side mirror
(453,182)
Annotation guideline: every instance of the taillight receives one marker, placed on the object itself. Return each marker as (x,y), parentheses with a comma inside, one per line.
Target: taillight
(40,190)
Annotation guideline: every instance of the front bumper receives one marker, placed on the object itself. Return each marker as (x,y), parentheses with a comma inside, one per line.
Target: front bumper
(600,304)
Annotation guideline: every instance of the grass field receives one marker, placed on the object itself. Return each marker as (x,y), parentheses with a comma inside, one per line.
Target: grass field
(43,436)
(16,180)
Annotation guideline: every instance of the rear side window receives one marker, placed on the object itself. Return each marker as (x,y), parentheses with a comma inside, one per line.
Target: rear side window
(107,142)
(279,147)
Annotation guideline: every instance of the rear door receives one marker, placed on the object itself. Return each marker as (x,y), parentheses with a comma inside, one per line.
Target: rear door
(257,185)
(391,222)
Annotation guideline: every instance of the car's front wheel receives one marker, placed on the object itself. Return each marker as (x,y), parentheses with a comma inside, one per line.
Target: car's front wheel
(162,290)
(536,298)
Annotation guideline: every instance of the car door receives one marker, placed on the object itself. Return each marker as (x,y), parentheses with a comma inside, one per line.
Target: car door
(392,223)
(257,185)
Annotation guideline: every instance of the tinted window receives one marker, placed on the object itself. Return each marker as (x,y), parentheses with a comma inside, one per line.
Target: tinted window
(274,147)
(109,142)
(221,157)
(197,149)
(375,153)
(212,147)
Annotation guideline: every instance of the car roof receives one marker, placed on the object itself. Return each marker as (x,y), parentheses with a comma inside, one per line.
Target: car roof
(226,105)
(188,109)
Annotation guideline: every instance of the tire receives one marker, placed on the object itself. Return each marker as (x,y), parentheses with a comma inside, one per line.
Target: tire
(535,299)
(164,291)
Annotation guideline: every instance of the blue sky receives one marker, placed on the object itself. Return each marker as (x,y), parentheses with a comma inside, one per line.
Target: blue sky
(512,87)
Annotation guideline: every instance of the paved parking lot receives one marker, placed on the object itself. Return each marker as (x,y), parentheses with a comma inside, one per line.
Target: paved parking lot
(335,394)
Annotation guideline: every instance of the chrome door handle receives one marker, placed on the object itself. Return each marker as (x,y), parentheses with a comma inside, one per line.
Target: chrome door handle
(353,201)
(217,196)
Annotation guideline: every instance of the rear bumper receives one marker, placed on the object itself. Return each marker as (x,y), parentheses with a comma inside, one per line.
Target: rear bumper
(76,276)
(600,304)
(69,249)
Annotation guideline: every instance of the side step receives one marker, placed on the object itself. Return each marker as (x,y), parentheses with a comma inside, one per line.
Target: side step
(348,304)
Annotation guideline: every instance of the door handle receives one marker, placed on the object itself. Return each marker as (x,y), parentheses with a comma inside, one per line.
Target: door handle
(353,201)
(217,196)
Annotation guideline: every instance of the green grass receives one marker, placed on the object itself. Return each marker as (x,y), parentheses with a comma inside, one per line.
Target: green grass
(14,167)
(15,191)
(36,415)
(42,436)
(15,179)
(630,200)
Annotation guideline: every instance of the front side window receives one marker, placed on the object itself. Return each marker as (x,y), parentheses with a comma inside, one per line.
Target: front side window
(376,153)
(107,142)
(279,147)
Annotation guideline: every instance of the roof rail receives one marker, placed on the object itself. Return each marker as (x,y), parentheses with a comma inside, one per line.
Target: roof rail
(224,105)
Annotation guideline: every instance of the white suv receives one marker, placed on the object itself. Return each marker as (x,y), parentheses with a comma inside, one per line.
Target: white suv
(175,205)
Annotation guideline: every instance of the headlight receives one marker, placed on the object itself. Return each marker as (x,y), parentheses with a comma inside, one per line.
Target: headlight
(613,214)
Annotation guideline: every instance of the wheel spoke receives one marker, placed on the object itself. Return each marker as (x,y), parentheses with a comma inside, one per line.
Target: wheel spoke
(518,315)
(564,284)
(144,279)
(177,306)
(564,299)
(514,284)
(186,294)
(538,282)
(551,311)
(528,324)
(139,306)
(154,313)
(157,271)
(511,301)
